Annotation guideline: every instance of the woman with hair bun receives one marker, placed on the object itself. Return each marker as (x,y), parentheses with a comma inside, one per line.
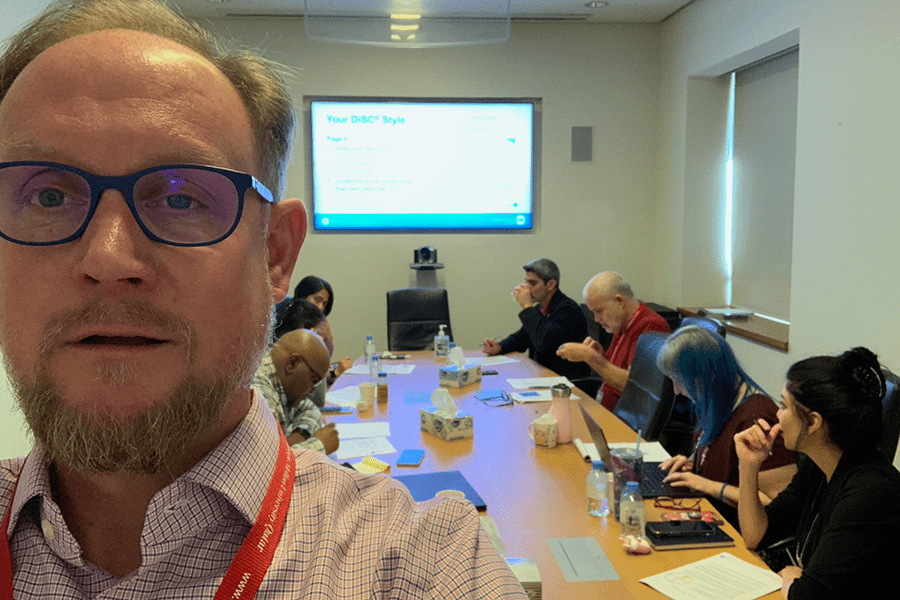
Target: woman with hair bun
(836,525)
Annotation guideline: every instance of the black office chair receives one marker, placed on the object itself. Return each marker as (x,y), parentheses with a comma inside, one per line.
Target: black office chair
(646,401)
(671,316)
(711,324)
(414,317)
(891,414)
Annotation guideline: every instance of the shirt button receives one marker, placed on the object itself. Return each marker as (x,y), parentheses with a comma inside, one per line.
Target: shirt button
(47,528)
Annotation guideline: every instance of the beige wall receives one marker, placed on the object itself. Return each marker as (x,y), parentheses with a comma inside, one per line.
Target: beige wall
(592,216)
(844,281)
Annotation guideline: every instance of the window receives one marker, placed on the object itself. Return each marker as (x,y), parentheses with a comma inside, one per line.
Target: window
(759,193)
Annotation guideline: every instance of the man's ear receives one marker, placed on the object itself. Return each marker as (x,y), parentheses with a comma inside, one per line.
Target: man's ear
(551,284)
(287,230)
(291,363)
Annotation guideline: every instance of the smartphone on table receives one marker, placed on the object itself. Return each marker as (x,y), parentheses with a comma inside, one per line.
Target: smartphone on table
(411,458)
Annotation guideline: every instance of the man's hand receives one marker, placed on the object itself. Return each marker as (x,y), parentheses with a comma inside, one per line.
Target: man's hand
(522,294)
(344,364)
(491,348)
(328,435)
(588,350)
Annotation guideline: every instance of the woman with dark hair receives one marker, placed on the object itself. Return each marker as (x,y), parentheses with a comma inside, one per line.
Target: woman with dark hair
(837,523)
(703,367)
(316,290)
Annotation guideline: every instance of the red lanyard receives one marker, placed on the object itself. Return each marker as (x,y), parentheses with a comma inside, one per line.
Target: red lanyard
(252,560)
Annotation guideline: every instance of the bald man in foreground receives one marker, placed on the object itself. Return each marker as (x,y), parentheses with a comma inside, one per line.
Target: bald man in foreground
(298,361)
(615,308)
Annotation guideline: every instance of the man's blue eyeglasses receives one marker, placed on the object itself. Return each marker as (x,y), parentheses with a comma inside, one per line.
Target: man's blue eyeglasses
(45,203)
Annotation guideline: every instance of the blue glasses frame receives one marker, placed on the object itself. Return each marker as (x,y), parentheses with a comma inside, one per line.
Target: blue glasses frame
(125,185)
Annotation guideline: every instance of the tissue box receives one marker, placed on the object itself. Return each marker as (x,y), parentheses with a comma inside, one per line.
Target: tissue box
(457,377)
(448,428)
(526,571)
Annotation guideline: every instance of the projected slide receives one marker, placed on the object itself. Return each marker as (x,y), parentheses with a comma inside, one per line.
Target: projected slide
(422,165)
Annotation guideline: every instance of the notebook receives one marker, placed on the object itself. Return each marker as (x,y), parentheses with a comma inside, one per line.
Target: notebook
(652,485)
(424,486)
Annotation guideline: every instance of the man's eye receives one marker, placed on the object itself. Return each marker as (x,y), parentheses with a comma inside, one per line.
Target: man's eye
(179,201)
(51,198)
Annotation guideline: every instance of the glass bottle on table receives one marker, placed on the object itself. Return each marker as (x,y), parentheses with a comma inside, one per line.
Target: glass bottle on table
(382,388)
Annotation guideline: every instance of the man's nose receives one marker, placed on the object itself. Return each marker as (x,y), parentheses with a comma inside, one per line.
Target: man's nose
(116,249)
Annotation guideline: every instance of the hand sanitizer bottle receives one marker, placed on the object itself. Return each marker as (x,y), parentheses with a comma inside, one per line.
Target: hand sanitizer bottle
(441,343)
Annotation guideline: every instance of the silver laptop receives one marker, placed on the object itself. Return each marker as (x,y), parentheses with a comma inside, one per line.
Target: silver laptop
(652,476)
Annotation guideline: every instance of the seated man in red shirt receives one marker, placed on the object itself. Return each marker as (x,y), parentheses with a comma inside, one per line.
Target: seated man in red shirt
(612,301)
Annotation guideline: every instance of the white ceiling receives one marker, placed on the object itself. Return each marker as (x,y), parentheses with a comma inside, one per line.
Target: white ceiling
(618,11)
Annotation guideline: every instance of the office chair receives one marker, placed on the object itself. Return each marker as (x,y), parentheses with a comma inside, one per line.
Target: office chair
(891,414)
(647,399)
(709,323)
(414,316)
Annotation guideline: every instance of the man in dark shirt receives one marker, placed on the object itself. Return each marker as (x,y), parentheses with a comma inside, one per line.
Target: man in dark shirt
(549,319)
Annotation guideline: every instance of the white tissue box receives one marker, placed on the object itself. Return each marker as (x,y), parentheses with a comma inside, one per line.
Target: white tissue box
(458,377)
(447,428)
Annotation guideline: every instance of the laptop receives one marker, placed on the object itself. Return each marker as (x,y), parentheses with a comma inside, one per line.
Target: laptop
(652,476)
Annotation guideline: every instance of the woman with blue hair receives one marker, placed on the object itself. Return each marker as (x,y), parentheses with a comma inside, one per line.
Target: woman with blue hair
(703,367)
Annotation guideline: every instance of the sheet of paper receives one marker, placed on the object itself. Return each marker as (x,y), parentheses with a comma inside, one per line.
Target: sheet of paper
(490,361)
(357,447)
(723,576)
(582,559)
(346,397)
(348,431)
(389,369)
(653,451)
(537,382)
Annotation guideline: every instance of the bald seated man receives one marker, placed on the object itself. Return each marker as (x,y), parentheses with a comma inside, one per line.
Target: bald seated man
(286,376)
(610,298)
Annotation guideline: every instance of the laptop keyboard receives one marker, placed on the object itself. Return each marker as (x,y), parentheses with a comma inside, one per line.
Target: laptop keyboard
(652,485)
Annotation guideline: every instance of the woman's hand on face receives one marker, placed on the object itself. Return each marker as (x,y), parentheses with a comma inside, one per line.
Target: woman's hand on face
(676,464)
(754,444)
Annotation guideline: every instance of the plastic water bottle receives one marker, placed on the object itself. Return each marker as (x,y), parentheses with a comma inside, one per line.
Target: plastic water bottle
(633,514)
(597,498)
(441,343)
(374,368)
(370,348)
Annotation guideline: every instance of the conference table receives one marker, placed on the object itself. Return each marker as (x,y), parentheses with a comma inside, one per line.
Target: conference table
(532,493)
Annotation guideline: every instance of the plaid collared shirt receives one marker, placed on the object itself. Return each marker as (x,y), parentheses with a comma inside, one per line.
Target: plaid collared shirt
(347,535)
(305,415)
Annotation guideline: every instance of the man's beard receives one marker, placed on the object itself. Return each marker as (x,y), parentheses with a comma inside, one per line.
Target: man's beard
(93,440)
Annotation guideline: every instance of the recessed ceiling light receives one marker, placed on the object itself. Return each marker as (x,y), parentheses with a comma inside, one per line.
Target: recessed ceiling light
(595,4)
